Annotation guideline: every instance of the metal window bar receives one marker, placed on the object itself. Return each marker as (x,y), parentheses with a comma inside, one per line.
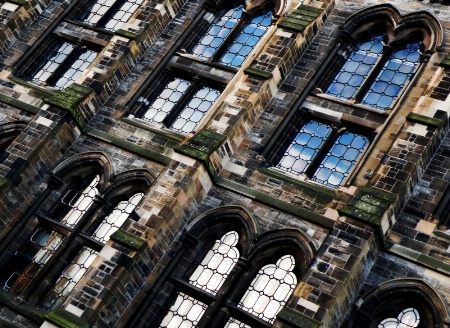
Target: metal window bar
(114,221)
(211,273)
(246,40)
(356,69)
(395,73)
(68,279)
(408,318)
(65,63)
(340,159)
(111,14)
(26,262)
(79,202)
(270,289)
(185,312)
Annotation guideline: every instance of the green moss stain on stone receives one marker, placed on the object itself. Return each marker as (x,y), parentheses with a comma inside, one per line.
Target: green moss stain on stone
(29,311)
(425,120)
(300,18)
(297,319)
(128,239)
(258,73)
(445,62)
(65,319)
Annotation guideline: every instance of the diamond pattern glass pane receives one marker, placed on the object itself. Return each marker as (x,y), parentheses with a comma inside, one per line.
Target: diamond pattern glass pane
(270,289)
(24,265)
(118,18)
(356,69)
(408,318)
(395,73)
(55,58)
(304,147)
(76,69)
(185,312)
(195,110)
(79,202)
(217,33)
(339,161)
(217,264)
(69,278)
(166,100)
(247,39)
(114,221)
(234,323)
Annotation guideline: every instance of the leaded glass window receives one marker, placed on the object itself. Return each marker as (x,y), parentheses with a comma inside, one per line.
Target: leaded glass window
(373,75)
(69,278)
(408,318)
(37,250)
(116,218)
(232,36)
(209,275)
(234,323)
(323,153)
(181,105)
(270,289)
(111,14)
(64,64)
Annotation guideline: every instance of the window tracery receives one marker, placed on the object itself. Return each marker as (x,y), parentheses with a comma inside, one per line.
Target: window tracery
(408,318)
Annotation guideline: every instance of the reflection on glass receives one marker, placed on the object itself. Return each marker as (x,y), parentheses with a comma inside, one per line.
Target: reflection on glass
(195,110)
(408,318)
(217,264)
(114,221)
(217,33)
(29,259)
(166,100)
(304,147)
(55,59)
(270,289)
(246,40)
(396,72)
(356,69)
(118,17)
(185,312)
(69,278)
(79,203)
(339,161)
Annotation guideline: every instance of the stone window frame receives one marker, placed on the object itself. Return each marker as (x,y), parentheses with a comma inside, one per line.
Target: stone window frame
(73,173)
(40,57)
(389,298)
(339,123)
(256,250)
(198,81)
(9,132)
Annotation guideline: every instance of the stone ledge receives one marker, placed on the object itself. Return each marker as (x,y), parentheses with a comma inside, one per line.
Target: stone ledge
(445,62)
(127,239)
(127,34)
(19,104)
(258,73)
(326,194)
(297,319)
(65,319)
(425,120)
(18,2)
(27,310)
(300,18)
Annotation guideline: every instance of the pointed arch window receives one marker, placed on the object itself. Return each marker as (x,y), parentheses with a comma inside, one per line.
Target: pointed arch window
(408,318)
(232,36)
(375,74)
(71,228)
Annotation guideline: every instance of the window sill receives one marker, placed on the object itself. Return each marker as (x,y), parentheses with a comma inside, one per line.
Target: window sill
(385,113)
(16,304)
(44,91)
(164,132)
(209,63)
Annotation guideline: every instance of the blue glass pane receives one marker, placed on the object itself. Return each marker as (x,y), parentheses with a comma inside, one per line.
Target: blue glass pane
(339,161)
(395,73)
(166,100)
(246,40)
(217,33)
(357,67)
(304,147)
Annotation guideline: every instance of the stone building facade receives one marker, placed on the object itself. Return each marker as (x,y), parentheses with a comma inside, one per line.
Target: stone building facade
(267,163)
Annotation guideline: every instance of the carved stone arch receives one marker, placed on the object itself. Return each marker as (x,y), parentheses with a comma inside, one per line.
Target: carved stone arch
(9,131)
(213,224)
(86,165)
(387,19)
(272,245)
(389,298)
(126,184)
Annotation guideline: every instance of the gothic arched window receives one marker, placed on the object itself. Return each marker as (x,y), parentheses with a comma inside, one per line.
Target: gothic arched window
(408,318)
(75,218)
